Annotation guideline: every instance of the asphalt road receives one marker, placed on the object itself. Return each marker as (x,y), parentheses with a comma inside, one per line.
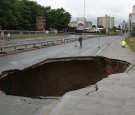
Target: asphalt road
(31,42)
(91,47)
(14,105)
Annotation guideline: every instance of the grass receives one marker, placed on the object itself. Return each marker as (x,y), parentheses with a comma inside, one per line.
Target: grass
(116,33)
(24,36)
(131,42)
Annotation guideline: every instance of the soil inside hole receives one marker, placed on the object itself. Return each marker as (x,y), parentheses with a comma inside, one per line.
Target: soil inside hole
(55,77)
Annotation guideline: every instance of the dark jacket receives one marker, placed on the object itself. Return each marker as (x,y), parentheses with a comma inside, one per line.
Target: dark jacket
(80,39)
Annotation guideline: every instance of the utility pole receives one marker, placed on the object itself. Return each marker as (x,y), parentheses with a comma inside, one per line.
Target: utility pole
(84,17)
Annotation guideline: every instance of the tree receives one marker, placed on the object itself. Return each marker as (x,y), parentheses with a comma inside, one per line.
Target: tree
(21,14)
(93,26)
(114,28)
(27,13)
(46,14)
(58,18)
(119,27)
(7,18)
(100,26)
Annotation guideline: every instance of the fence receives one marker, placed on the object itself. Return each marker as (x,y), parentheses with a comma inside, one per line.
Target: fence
(4,49)
(16,34)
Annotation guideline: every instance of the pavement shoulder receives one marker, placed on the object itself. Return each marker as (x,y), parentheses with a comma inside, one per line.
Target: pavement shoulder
(115,96)
(115,51)
(46,109)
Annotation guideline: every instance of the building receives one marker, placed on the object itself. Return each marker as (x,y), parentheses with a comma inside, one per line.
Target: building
(40,23)
(106,22)
(80,23)
(72,24)
(132,18)
(88,24)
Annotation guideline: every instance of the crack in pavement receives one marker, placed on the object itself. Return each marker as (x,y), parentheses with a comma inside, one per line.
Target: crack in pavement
(96,89)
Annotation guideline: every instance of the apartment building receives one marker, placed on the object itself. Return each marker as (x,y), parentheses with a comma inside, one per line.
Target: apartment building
(106,22)
(132,17)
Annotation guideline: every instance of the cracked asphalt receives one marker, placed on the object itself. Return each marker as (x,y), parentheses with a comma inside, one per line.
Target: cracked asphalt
(111,96)
(15,105)
(114,95)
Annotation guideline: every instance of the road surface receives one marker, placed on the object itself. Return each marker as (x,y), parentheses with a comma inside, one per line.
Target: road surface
(91,47)
(15,105)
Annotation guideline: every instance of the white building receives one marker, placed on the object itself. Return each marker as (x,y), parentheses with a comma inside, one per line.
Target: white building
(72,24)
(80,23)
(106,22)
(132,17)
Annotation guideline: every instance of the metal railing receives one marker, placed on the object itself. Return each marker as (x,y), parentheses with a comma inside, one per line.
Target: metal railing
(35,44)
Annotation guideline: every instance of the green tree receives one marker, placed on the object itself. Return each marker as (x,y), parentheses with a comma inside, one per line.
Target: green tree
(119,27)
(7,17)
(58,18)
(93,26)
(114,28)
(27,11)
(21,14)
(100,26)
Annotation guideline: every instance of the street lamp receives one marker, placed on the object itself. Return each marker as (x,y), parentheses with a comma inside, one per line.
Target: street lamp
(84,10)
(84,17)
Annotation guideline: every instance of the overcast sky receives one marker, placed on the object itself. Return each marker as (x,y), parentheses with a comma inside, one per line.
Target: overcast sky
(120,9)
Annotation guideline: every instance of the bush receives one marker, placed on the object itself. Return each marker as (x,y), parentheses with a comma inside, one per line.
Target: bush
(131,42)
(133,33)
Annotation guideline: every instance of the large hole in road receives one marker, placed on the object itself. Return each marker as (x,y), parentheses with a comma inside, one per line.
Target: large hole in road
(55,77)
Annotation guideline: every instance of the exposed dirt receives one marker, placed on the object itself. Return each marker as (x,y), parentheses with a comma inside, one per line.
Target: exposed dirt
(55,77)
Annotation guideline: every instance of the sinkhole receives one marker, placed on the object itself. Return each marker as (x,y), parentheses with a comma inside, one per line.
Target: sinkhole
(55,77)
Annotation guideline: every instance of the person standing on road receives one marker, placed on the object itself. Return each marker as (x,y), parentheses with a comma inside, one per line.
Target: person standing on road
(2,36)
(123,43)
(80,41)
(8,36)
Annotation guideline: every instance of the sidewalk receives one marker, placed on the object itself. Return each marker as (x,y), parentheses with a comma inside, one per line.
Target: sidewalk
(115,94)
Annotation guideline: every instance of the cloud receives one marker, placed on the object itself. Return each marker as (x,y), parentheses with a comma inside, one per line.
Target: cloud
(120,9)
